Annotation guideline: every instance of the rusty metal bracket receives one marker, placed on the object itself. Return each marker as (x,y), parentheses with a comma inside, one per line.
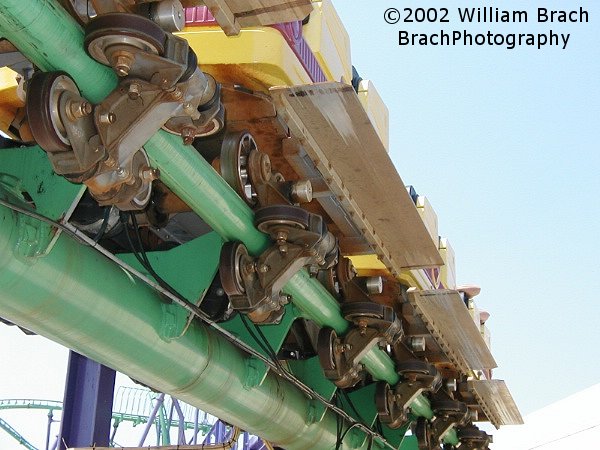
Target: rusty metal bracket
(301,239)
(393,402)
(374,324)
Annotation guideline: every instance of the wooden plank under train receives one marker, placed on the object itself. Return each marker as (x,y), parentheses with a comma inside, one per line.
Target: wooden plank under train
(333,128)
(232,15)
(496,401)
(448,320)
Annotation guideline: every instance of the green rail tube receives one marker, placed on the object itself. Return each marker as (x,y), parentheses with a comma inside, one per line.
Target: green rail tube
(43,28)
(77,297)
(209,195)
(53,41)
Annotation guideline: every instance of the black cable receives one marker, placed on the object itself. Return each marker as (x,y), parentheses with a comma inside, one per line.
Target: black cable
(141,256)
(254,337)
(104,225)
(268,344)
(84,240)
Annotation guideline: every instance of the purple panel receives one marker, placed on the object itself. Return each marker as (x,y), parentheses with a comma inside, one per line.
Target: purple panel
(200,16)
(87,406)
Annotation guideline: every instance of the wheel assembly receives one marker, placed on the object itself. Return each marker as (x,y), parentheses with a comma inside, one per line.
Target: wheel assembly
(113,39)
(449,408)
(269,218)
(43,109)
(422,432)
(472,438)
(326,348)
(387,407)
(234,164)
(234,257)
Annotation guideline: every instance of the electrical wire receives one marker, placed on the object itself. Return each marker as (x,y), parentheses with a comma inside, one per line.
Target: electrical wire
(83,239)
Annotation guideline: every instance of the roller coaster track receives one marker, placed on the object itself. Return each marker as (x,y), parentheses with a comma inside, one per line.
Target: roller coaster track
(131,405)
(14,433)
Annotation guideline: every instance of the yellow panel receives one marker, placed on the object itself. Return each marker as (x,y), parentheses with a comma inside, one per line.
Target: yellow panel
(367,262)
(376,110)
(329,41)
(448,270)
(9,100)
(258,58)
(429,217)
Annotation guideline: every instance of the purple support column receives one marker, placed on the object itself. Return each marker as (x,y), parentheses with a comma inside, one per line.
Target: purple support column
(87,406)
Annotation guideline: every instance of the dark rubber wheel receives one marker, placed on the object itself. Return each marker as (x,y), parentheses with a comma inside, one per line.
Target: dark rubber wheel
(287,215)
(43,94)
(235,154)
(325,348)
(449,408)
(122,29)
(356,310)
(192,65)
(415,367)
(230,268)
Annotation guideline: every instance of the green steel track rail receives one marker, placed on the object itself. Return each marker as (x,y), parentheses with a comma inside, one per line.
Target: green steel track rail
(15,434)
(53,405)
(52,40)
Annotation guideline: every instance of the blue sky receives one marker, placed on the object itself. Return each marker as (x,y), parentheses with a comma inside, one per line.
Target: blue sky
(504,145)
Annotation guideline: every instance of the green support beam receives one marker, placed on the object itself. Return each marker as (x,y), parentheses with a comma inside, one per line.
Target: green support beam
(80,299)
(53,41)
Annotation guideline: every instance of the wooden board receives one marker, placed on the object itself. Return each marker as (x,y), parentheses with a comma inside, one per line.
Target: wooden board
(497,403)
(232,15)
(336,133)
(448,320)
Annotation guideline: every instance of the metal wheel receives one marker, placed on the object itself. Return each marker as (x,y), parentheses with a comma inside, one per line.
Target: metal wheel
(357,310)
(328,278)
(192,65)
(386,409)
(142,198)
(292,216)
(235,154)
(451,408)
(231,265)
(43,100)
(122,29)
(472,435)
(326,348)
(415,367)
(423,434)
(345,271)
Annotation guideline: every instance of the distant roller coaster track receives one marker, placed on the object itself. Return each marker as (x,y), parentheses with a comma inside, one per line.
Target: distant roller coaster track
(131,405)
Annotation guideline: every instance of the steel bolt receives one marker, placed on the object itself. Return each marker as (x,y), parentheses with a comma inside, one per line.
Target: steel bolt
(188,134)
(176,94)
(417,343)
(122,62)
(281,237)
(302,191)
(110,162)
(451,385)
(134,91)
(263,268)
(374,285)
(108,118)
(122,173)
(474,415)
(150,174)
(77,110)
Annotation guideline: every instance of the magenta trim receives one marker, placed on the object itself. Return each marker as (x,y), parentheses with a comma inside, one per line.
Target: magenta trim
(200,16)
